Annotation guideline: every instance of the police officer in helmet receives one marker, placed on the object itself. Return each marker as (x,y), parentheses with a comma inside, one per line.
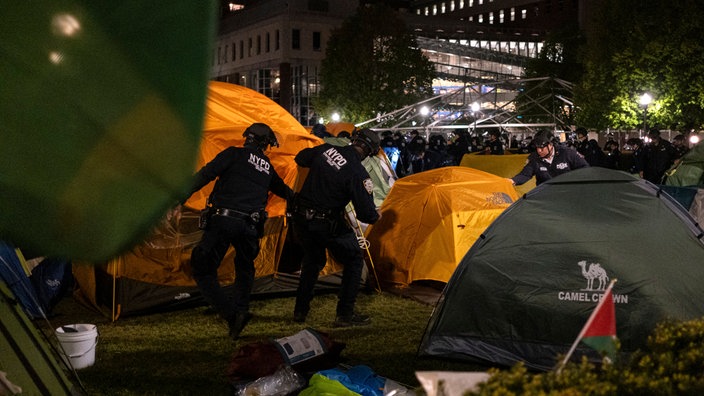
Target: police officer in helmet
(235,216)
(548,160)
(336,176)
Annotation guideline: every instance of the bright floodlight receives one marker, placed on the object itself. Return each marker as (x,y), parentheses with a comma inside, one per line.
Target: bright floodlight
(335,117)
(694,139)
(645,99)
(475,107)
(424,111)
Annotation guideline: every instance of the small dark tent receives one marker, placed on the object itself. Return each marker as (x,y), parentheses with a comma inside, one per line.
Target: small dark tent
(524,290)
(28,365)
(685,181)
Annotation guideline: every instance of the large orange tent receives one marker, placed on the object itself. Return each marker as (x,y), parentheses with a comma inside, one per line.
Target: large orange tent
(431,219)
(156,273)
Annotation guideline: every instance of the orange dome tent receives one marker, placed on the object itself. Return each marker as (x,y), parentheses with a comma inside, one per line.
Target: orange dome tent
(160,266)
(431,219)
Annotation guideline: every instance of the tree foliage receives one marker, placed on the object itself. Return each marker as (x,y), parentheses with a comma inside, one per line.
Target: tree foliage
(372,65)
(649,46)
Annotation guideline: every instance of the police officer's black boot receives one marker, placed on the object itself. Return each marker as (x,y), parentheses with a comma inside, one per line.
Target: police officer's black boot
(299,317)
(237,323)
(352,320)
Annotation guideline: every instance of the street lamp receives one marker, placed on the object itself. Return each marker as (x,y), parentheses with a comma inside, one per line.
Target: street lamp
(645,100)
(475,109)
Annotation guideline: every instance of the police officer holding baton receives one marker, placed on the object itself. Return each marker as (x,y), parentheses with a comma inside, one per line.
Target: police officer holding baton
(336,176)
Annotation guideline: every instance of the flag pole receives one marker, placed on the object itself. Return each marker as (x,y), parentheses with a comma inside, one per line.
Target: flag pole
(586,326)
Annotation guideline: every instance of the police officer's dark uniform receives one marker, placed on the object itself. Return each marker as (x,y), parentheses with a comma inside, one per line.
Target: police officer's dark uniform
(564,159)
(335,178)
(494,146)
(235,217)
(658,157)
(589,149)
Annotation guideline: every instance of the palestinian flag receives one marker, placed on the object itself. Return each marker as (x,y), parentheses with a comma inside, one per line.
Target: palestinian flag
(600,330)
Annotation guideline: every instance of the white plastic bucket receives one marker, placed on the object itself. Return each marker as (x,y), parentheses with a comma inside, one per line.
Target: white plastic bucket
(78,346)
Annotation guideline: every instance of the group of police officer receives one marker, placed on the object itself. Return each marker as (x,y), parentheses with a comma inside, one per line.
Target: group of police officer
(235,215)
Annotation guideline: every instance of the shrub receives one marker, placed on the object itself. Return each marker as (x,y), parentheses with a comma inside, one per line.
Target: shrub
(671,364)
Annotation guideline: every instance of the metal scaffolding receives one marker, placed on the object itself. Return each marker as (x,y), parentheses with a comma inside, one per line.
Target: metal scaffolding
(517,106)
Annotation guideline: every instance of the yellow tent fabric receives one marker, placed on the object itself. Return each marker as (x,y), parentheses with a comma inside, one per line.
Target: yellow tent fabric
(162,259)
(507,165)
(334,128)
(230,109)
(430,219)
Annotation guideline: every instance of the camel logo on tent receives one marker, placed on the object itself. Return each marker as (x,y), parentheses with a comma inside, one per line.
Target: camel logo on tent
(592,273)
(596,280)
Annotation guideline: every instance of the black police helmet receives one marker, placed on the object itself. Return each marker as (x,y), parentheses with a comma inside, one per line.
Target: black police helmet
(368,139)
(320,131)
(542,138)
(261,135)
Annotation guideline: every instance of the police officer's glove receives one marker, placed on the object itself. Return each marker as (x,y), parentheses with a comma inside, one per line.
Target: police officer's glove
(290,200)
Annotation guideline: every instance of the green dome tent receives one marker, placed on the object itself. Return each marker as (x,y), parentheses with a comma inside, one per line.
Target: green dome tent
(525,289)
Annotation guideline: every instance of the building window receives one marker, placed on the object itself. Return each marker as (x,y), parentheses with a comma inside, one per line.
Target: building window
(471,3)
(259,44)
(513,14)
(304,81)
(442,7)
(480,18)
(296,39)
(524,13)
(501,16)
(267,45)
(452,5)
(316,41)
(249,47)
(491,18)
(234,52)
(241,49)
(427,12)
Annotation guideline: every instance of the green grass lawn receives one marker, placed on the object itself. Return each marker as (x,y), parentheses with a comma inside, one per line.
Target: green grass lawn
(187,352)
